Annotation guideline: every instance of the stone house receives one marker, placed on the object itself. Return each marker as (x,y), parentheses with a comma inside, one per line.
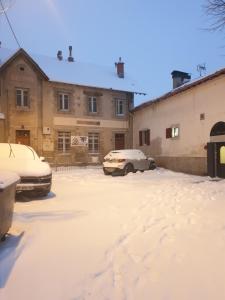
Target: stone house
(69,112)
(184,130)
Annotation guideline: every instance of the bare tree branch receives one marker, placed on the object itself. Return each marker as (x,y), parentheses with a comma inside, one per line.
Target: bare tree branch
(215,9)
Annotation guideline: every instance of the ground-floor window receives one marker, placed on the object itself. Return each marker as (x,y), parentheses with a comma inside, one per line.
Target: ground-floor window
(64,141)
(93,142)
(144,137)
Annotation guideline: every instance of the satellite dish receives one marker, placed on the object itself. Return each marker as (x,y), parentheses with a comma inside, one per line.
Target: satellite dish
(201,68)
(5,5)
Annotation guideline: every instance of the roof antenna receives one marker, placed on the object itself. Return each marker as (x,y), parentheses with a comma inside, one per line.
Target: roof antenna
(201,68)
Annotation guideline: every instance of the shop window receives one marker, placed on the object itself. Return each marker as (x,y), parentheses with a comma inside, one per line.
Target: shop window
(222,155)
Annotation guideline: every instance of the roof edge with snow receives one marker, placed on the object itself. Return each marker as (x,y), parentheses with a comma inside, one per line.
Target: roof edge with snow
(180,89)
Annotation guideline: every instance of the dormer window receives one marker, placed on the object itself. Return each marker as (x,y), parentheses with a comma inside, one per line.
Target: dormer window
(92,104)
(63,102)
(22,98)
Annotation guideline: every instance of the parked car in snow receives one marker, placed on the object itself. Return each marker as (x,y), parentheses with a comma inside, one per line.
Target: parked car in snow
(35,174)
(122,162)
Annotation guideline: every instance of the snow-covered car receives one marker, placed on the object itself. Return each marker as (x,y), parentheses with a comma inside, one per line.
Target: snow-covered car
(35,174)
(122,162)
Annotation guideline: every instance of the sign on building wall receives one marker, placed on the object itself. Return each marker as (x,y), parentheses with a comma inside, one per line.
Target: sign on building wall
(79,141)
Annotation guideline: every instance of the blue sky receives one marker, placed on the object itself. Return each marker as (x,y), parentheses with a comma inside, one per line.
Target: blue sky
(152,37)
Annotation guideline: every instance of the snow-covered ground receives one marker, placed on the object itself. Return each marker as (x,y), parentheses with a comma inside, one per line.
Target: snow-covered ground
(153,235)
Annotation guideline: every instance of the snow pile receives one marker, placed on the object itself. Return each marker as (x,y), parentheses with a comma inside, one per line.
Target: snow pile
(154,235)
(7,178)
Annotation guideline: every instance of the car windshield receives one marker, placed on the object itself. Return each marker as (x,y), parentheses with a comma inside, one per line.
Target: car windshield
(17,151)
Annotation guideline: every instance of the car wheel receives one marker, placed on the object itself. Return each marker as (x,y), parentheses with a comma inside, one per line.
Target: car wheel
(142,171)
(127,169)
(152,165)
(106,172)
(3,238)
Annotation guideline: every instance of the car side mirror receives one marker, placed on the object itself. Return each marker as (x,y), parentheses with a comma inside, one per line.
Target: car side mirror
(42,158)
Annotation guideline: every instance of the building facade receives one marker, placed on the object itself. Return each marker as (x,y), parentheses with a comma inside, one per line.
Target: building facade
(184,130)
(45,103)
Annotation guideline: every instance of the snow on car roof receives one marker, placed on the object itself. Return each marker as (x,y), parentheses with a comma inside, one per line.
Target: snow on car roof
(85,74)
(17,151)
(125,154)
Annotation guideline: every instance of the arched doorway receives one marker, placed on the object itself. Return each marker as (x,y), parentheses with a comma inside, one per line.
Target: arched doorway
(218,129)
(216,151)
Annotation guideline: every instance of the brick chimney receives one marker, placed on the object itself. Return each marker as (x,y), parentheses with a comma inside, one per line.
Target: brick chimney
(70,58)
(59,55)
(179,78)
(120,68)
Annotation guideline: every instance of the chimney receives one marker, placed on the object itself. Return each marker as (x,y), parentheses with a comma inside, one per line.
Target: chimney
(59,55)
(179,78)
(70,58)
(120,68)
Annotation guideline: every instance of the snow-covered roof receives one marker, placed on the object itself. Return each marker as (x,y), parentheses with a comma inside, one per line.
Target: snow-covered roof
(85,74)
(188,85)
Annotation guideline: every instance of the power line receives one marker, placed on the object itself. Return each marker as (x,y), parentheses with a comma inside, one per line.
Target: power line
(10,26)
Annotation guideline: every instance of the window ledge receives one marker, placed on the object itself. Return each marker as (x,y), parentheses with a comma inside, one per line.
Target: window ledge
(23,108)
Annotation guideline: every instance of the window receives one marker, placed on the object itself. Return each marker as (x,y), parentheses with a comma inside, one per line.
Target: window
(144,137)
(172,132)
(120,107)
(22,97)
(93,142)
(63,102)
(92,104)
(64,141)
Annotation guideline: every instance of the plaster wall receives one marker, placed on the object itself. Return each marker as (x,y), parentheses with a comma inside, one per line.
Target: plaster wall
(184,110)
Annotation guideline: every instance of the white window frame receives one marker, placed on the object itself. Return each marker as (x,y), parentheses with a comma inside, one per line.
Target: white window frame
(175,132)
(64,139)
(92,104)
(120,107)
(93,142)
(23,97)
(63,98)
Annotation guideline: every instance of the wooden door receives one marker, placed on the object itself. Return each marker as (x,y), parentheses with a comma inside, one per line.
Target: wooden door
(119,141)
(23,137)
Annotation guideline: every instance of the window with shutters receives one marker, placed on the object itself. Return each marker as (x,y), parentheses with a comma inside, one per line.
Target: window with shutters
(63,102)
(172,132)
(22,99)
(144,137)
